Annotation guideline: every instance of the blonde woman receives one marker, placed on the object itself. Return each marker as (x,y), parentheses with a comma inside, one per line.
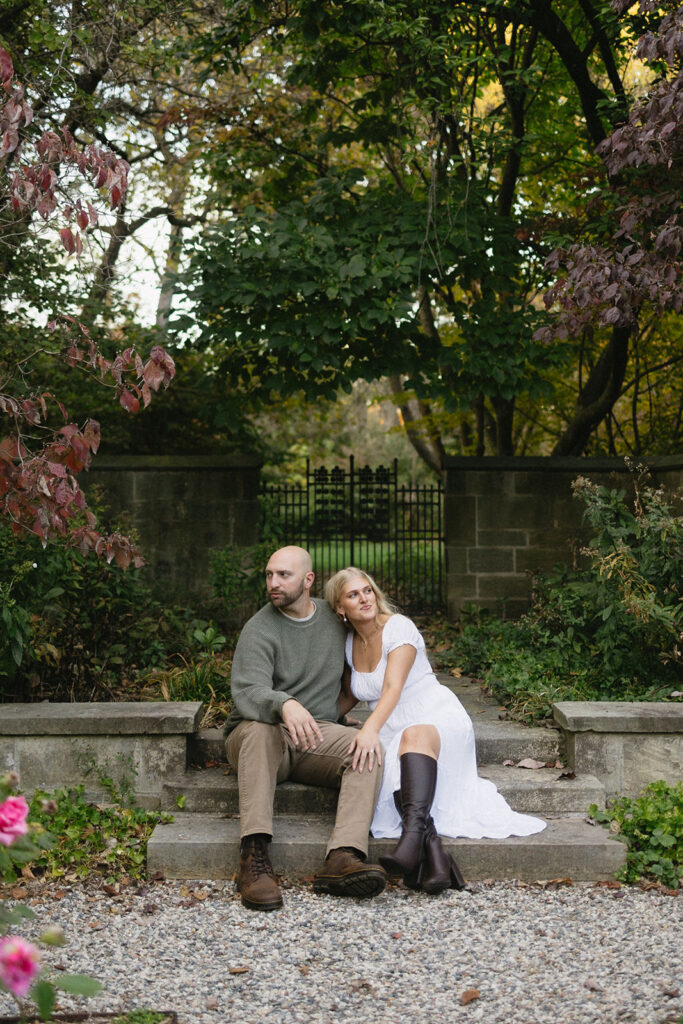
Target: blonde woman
(430,785)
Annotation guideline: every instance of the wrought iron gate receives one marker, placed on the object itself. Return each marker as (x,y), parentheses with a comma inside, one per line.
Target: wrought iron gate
(363,517)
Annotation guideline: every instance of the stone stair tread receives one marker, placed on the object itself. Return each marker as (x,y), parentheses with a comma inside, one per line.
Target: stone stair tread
(207,847)
(531,791)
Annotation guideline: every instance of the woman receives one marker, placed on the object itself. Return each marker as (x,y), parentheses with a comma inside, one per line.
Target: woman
(430,784)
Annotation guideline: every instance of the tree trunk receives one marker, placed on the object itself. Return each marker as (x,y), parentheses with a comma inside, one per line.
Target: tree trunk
(420,431)
(598,396)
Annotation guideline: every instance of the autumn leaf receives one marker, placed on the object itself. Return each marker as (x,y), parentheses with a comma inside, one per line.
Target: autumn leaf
(6,68)
(530,762)
(469,995)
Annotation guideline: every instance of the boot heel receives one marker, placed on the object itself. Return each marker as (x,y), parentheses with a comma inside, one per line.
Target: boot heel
(457,877)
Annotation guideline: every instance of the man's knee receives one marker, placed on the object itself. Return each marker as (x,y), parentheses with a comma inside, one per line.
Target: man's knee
(252,740)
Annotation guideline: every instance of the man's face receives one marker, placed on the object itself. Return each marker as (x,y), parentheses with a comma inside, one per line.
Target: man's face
(285,581)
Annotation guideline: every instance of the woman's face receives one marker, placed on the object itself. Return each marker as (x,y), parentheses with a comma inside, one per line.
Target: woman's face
(357,601)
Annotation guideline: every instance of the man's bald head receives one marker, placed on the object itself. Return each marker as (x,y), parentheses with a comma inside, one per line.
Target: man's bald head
(294,556)
(289,578)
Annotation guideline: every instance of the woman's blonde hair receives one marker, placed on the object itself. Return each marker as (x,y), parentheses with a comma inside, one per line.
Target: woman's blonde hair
(336,584)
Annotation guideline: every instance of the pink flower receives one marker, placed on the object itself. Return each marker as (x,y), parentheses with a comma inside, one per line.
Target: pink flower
(13,813)
(19,964)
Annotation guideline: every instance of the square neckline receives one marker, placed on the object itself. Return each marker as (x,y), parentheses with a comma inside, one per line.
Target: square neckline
(381,657)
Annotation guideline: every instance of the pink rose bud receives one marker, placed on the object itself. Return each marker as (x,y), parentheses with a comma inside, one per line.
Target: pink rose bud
(13,814)
(19,964)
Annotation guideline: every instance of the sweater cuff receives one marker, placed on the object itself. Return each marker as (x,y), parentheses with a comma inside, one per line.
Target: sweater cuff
(280,698)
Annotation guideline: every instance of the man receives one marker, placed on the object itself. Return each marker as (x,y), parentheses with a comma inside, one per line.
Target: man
(286,679)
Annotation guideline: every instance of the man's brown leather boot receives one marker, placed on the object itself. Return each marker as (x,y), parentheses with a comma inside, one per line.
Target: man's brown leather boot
(256,880)
(345,874)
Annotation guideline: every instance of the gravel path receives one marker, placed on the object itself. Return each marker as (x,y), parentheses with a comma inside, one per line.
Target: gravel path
(534,955)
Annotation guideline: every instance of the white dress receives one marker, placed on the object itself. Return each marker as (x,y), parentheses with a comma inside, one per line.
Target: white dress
(464,805)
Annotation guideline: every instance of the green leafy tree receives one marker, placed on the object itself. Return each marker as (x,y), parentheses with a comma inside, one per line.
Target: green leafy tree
(410,168)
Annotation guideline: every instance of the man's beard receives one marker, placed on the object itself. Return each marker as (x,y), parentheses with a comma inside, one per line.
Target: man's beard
(283,600)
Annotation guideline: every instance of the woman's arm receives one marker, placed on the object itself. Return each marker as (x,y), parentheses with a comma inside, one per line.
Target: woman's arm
(346,698)
(366,745)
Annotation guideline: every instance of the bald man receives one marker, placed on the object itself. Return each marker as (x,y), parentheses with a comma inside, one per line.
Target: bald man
(286,680)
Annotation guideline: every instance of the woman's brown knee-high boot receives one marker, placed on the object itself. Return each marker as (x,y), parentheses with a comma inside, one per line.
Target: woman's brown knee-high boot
(439,869)
(418,783)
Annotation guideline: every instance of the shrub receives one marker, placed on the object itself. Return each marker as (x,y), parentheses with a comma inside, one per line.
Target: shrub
(77,628)
(608,631)
(652,828)
(106,839)
(237,577)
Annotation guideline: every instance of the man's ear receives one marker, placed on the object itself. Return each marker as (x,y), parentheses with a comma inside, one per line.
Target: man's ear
(308,580)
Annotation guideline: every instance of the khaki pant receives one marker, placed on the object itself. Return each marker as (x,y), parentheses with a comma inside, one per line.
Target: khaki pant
(263,755)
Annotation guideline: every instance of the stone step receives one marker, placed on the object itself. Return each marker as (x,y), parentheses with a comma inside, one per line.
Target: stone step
(207,847)
(497,740)
(531,791)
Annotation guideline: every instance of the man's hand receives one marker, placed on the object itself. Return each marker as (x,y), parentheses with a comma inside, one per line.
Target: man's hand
(301,725)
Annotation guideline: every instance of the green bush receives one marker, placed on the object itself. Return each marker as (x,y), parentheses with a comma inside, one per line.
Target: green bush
(107,839)
(237,577)
(652,828)
(609,631)
(76,628)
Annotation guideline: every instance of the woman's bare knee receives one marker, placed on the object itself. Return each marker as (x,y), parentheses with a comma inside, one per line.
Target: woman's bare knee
(420,739)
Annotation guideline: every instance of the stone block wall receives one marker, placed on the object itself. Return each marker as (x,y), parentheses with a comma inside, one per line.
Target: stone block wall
(182,507)
(508,517)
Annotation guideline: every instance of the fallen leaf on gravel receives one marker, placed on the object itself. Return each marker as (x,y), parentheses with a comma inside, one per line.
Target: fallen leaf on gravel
(238,970)
(58,894)
(184,892)
(396,935)
(456,673)
(509,763)
(149,908)
(566,775)
(26,872)
(199,894)
(95,926)
(361,984)
(530,762)
(672,993)
(110,890)
(609,883)
(211,1003)
(19,893)
(304,969)
(469,995)
(592,985)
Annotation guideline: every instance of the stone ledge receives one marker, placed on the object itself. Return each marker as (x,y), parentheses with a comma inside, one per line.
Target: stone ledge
(126,718)
(625,744)
(619,716)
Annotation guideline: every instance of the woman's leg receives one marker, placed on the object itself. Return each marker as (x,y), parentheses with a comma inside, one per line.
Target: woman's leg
(420,739)
(418,752)
(419,856)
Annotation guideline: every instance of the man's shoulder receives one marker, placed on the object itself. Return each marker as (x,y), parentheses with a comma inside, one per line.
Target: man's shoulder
(264,622)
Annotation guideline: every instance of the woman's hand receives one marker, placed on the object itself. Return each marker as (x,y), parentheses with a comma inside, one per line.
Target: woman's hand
(366,749)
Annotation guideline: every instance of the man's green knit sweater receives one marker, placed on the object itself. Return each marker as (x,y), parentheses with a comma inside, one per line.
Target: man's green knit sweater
(279,657)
